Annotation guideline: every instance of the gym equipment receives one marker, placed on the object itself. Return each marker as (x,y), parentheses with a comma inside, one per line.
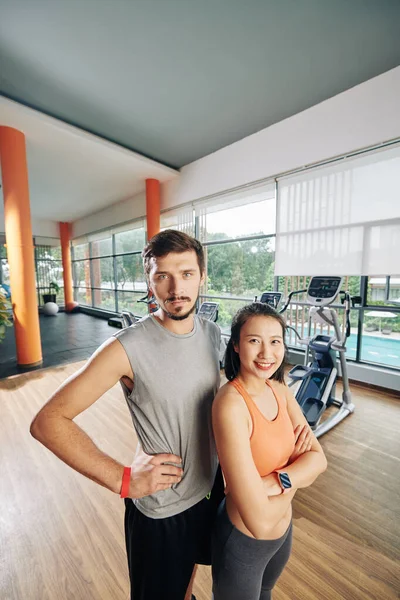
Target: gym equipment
(126,317)
(50,309)
(271,298)
(209,311)
(316,379)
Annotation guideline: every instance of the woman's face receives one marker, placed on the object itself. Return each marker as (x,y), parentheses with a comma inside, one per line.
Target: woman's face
(261,347)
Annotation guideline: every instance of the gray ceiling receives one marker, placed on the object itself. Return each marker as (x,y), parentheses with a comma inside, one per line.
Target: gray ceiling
(178,79)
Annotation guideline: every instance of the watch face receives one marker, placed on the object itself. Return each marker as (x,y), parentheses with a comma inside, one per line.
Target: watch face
(285,480)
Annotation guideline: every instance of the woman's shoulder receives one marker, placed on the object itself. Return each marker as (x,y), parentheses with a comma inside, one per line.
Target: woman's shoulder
(227,398)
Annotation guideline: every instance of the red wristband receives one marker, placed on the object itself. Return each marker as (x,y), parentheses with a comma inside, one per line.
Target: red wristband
(126,479)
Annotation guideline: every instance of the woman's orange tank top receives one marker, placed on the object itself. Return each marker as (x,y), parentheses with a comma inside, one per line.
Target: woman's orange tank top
(271,442)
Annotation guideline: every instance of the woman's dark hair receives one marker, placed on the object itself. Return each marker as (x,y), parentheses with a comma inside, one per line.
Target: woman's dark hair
(168,241)
(256,309)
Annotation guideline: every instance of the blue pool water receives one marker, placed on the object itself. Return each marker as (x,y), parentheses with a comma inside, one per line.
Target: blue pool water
(381,350)
(376,349)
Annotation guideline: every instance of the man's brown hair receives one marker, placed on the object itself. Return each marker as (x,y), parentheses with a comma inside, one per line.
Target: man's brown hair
(168,241)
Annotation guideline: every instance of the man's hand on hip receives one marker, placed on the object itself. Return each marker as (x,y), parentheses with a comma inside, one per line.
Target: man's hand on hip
(150,474)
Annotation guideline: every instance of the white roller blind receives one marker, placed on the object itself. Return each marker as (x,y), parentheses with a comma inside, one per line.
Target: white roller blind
(341,219)
(106,233)
(243,212)
(181,219)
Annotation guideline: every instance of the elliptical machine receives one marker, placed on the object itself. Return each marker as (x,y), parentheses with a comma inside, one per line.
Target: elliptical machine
(316,379)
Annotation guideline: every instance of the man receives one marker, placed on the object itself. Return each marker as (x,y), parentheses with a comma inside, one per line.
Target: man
(169,366)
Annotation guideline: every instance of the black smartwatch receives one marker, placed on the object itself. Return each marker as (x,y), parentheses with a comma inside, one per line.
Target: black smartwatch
(284,480)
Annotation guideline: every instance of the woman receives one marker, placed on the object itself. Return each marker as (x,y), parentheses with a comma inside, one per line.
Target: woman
(266,450)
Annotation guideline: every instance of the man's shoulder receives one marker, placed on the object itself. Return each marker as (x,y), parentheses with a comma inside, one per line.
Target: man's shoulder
(210,326)
(134,330)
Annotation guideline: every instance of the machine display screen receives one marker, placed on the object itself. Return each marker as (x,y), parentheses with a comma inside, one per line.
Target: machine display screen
(324,287)
(271,298)
(209,310)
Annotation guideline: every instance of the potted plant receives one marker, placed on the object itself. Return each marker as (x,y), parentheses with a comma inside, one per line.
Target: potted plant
(51,295)
(5,316)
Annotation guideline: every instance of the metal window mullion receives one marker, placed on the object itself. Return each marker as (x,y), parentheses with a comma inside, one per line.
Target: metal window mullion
(115,272)
(264,236)
(37,276)
(228,298)
(387,289)
(91,273)
(363,293)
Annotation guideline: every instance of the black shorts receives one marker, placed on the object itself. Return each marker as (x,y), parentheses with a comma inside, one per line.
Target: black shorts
(162,552)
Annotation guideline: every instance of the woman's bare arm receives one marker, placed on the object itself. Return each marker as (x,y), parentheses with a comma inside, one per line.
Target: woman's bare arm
(259,513)
(306,468)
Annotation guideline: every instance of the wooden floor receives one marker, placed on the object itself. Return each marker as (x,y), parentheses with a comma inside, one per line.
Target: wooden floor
(61,536)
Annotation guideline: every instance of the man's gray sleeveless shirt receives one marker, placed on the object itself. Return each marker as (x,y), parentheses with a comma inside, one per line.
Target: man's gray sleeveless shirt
(176,378)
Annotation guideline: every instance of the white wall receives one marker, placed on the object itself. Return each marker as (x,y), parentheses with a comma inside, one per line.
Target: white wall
(116,214)
(363,116)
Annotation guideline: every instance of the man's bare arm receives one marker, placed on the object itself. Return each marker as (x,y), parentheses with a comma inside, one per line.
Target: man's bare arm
(55,428)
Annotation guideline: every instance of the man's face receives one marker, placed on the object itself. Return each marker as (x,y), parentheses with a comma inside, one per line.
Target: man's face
(175,280)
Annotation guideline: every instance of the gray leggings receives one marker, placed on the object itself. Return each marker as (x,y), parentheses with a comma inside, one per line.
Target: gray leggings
(244,568)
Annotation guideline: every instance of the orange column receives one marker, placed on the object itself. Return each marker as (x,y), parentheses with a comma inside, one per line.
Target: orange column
(67,267)
(152,207)
(20,252)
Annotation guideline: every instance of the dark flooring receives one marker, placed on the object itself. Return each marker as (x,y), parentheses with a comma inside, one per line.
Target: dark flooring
(65,338)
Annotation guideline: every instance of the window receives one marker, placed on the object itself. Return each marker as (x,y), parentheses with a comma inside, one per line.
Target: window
(375,324)
(48,266)
(4,268)
(381,322)
(341,217)
(237,231)
(130,274)
(297,314)
(107,269)
(132,240)
(181,219)
(101,246)
(241,268)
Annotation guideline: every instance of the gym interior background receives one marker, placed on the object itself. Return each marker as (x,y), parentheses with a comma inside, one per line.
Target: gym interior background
(285,163)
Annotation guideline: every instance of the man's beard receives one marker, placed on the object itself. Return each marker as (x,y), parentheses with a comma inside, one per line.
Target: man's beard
(179,317)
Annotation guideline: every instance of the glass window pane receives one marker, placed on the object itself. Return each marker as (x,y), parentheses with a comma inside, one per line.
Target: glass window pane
(377,285)
(4,266)
(48,252)
(103,273)
(226,310)
(297,315)
(81,251)
(81,273)
(102,247)
(83,296)
(394,289)
(242,221)
(130,275)
(130,241)
(48,271)
(104,299)
(182,220)
(240,268)
(381,337)
(129,301)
